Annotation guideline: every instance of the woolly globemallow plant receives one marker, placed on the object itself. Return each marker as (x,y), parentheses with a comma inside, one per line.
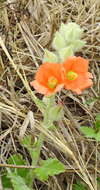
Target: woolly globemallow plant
(76,75)
(48,79)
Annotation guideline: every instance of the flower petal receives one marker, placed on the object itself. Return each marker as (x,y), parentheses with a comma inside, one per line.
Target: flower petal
(68,63)
(80,65)
(79,84)
(59,87)
(78,91)
(89,75)
(41,89)
(46,70)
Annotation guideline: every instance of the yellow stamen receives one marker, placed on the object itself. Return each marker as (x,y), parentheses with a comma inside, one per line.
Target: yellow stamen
(52,82)
(71,75)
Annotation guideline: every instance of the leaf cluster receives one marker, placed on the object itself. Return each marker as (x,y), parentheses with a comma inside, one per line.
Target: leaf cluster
(93,132)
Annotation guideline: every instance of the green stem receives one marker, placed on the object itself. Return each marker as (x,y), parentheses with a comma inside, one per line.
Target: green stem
(37,150)
(35,153)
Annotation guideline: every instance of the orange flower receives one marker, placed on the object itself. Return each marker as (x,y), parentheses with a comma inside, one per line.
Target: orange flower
(76,75)
(48,79)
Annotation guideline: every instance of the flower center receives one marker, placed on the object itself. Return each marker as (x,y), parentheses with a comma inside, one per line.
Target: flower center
(52,82)
(71,75)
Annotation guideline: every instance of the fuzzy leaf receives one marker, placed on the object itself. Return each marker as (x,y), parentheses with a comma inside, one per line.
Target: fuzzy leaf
(98,117)
(27,141)
(63,29)
(65,53)
(49,100)
(55,113)
(58,41)
(71,31)
(97,136)
(97,124)
(50,57)
(77,45)
(32,147)
(88,132)
(17,159)
(6,182)
(49,167)
(18,182)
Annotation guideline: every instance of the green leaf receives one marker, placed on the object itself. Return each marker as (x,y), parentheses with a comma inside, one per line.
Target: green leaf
(65,53)
(17,159)
(79,186)
(34,156)
(93,100)
(88,132)
(97,136)
(49,100)
(98,180)
(98,117)
(27,141)
(58,41)
(77,45)
(97,124)
(50,57)
(63,29)
(52,127)
(35,152)
(34,149)
(90,101)
(55,113)
(6,182)
(49,167)
(18,182)
(70,32)
(91,133)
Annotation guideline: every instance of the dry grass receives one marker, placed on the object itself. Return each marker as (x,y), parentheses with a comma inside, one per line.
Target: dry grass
(26,28)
